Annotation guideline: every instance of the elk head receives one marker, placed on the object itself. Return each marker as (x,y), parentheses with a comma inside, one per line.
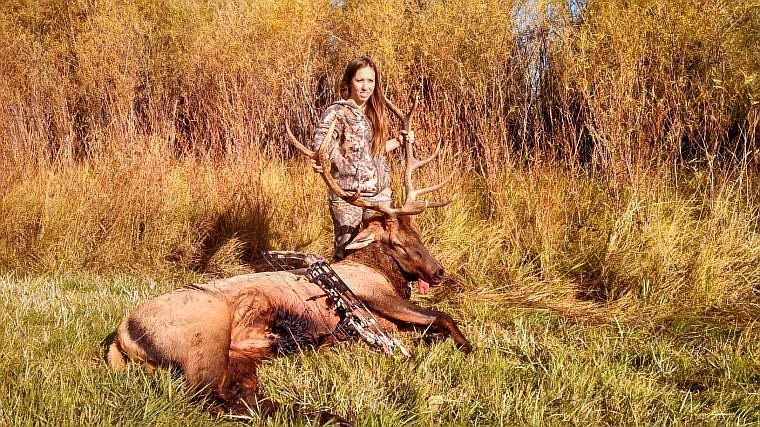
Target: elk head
(391,226)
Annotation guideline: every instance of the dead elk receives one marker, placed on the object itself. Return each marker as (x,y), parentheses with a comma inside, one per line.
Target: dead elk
(218,333)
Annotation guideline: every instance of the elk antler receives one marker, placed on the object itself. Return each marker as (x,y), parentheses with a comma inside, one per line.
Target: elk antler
(302,148)
(412,164)
(323,160)
(411,205)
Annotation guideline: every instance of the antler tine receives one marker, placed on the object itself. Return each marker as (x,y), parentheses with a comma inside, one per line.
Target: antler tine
(414,105)
(411,205)
(435,187)
(406,122)
(322,159)
(432,188)
(420,163)
(293,140)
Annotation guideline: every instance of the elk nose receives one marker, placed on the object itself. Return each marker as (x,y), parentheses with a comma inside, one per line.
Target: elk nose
(438,275)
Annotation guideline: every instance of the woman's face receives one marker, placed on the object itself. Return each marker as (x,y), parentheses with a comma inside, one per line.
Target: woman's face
(363,85)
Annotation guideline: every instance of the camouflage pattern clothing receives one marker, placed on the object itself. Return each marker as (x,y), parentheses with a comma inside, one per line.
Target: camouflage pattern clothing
(350,150)
(347,219)
(353,167)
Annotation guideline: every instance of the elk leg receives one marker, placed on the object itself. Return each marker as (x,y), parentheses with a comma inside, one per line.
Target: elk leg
(242,393)
(399,309)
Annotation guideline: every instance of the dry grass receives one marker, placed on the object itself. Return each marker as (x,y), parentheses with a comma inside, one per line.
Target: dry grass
(620,87)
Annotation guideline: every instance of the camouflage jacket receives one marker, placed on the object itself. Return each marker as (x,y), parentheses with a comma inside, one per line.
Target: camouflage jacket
(353,165)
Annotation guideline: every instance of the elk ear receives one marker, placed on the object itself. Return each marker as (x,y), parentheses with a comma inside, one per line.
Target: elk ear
(364,238)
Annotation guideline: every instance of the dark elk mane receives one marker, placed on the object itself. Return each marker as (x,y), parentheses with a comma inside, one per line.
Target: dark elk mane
(378,257)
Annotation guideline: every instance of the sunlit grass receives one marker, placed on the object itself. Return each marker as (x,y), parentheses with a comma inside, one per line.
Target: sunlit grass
(529,367)
(581,310)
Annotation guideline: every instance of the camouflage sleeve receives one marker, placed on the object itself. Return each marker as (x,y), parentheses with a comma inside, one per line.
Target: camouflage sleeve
(344,165)
(330,114)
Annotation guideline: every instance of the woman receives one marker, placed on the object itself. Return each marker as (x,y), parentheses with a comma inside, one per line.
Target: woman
(357,146)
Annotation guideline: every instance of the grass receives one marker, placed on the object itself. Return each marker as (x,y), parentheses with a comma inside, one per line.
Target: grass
(616,84)
(529,367)
(585,307)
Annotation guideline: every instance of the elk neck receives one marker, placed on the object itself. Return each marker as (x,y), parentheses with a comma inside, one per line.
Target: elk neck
(377,257)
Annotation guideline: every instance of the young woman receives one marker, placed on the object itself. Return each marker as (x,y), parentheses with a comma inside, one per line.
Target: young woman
(357,146)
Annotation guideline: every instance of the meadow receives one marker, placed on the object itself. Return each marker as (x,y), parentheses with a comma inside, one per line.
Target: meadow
(602,254)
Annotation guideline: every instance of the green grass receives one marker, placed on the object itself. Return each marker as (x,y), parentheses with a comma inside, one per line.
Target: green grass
(530,366)
(588,301)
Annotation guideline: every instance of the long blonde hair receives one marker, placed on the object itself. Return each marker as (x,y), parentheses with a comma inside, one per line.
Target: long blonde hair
(375,107)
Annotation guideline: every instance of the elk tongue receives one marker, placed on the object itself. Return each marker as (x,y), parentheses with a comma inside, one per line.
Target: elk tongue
(424,286)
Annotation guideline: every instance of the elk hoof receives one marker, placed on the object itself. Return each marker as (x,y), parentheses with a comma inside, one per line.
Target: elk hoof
(433,338)
(466,348)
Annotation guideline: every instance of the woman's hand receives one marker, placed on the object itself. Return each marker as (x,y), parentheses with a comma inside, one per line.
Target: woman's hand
(398,141)
(409,136)
(316,167)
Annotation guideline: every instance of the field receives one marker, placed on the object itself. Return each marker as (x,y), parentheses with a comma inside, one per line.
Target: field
(602,254)
(530,366)
(595,333)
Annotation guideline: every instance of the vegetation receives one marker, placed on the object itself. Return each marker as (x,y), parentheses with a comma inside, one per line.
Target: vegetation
(602,255)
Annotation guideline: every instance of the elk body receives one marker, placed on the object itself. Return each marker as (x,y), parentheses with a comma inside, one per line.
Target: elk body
(218,333)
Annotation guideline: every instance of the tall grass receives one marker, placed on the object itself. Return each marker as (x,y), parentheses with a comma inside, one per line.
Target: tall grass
(607,152)
(620,84)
